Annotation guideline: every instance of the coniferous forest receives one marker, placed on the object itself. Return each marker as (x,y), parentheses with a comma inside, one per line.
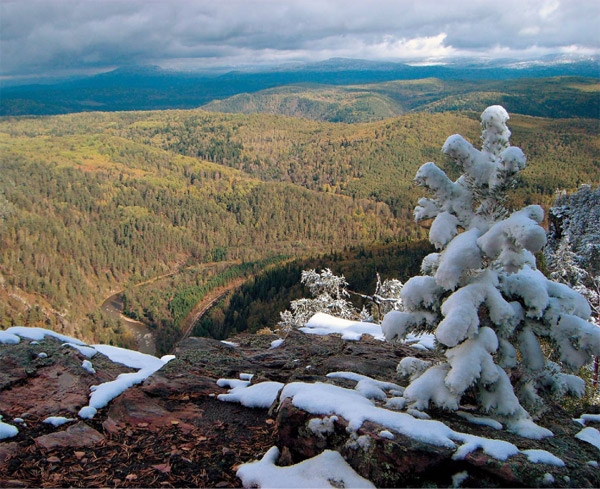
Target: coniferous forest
(94,203)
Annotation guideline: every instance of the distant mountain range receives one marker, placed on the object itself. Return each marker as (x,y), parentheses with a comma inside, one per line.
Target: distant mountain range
(148,88)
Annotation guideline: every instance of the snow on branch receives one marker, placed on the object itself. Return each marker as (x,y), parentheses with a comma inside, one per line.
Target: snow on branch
(329,296)
(491,309)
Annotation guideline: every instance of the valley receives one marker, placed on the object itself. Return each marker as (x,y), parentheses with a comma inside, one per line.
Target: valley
(143,335)
(98,202)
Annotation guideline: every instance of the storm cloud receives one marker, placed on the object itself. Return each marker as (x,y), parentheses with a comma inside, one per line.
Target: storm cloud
(62,36)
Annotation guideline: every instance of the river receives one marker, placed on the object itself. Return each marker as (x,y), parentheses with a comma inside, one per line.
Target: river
(144,335)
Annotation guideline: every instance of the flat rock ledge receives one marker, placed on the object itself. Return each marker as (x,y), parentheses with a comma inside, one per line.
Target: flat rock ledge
(173,431)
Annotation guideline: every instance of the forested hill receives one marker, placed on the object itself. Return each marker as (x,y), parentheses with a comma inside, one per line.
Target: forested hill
(376,161)
(84,213)
(540,97)
(151,88)
(91,202)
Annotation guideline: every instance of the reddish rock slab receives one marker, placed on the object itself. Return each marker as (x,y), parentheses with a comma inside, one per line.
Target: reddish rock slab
(7,451)
(56,383)
(135,408)
(160,385)
(11,372)
(53,390)
(399,462)
(76,436)
(499,469)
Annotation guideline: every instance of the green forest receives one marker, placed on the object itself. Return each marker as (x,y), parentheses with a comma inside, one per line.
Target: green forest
(257,303)
(94,203)
(541,97)
(336,90)
(165,305)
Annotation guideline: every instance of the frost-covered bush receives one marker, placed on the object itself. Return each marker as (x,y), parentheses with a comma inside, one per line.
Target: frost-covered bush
(386,298)
(330,296)
(562,264)
(483,296)
(573,249)
(576,218)
(387,295)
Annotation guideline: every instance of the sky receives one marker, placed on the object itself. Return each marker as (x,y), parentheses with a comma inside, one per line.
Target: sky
(61,37)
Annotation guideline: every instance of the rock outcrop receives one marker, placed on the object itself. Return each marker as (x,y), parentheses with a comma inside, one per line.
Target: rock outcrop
(172,429)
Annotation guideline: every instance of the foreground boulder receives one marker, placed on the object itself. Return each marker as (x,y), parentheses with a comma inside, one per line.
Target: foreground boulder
(173,430)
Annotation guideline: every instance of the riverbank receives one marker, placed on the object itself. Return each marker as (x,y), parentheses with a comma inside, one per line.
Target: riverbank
(180,300)
(143,334)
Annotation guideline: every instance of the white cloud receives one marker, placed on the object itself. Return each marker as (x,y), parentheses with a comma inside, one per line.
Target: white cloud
(531,30)
(418,47)
(549,8)
(580,50)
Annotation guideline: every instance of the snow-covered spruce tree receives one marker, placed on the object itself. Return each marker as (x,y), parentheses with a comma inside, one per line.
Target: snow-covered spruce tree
(563,266)
(483,296)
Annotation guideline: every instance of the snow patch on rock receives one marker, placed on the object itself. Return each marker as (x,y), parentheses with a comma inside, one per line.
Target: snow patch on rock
(57,420)
(320,426)
(9,338)
(328,469)
(39,334)
(590,435)
(261,395)
(7,430)
(87,365)
(324,324)
(543,457)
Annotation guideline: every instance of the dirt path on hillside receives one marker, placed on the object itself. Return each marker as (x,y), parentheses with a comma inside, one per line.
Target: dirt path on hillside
(208,301)
(174,272)
(144,335)
(212,298)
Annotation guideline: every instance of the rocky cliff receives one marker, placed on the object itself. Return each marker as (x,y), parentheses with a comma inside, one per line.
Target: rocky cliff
(196,421)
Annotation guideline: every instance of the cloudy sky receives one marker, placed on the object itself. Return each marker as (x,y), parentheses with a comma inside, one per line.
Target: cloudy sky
(53,37)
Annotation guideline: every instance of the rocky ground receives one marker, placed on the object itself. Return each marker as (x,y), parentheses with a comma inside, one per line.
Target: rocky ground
(172,431)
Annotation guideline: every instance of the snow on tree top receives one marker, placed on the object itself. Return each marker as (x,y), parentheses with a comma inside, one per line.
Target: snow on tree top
(483,294)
